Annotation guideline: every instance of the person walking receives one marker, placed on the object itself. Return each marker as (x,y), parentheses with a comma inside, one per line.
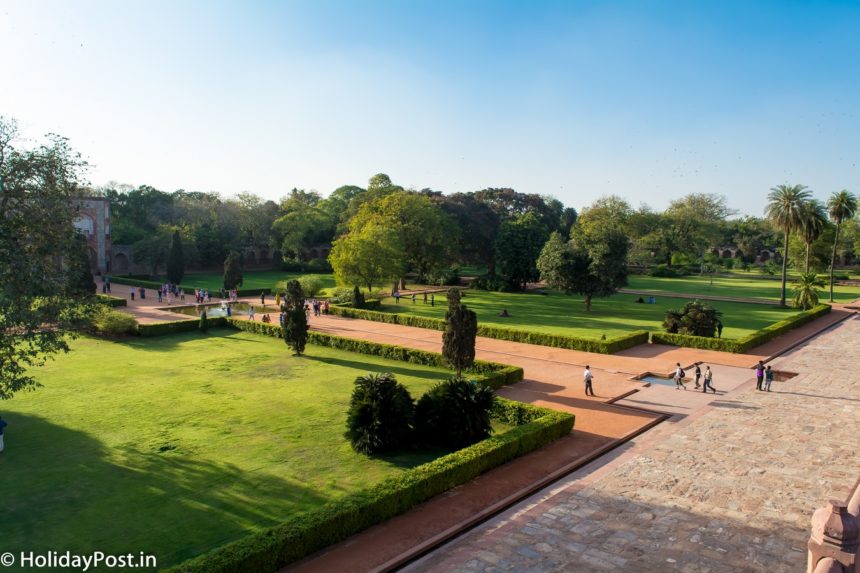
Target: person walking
(132,294)
(397,297)
(251,313)
(709,377)
(698,373)
(589,390)
(425,297)
(413,298)
(159,295)
(679,376)
(263,298)
(759,375)
(3,424)
(768,378)
(432,299)
(719,329)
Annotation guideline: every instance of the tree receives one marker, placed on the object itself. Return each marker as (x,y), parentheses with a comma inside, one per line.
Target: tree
(806,291)
(296,323)
(694,319)
(812,224)
(840,207)
(692,224)
(79,271)
(423,232)
(233,271)
(368,257)
(594,263)
(38,309)
(381,414)
(175,259)
(518,247)
(461,328)
(785,211)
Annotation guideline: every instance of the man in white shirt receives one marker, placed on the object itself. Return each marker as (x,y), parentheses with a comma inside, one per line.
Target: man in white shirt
(589,391)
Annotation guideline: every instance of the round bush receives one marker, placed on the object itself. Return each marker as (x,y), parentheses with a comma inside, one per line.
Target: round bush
(109,322)
(455,414)
(381,413)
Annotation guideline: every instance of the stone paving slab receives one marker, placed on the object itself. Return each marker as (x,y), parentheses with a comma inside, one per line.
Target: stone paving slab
(731,490)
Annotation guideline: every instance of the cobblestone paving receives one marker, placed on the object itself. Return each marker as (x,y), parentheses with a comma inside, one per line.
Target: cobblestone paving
(733,490)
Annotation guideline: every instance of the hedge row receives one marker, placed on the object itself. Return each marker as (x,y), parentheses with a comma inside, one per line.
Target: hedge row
(187,289)
(490,374)
(272,549)
(160,328)
(741,345)
(111,301)
(609,346)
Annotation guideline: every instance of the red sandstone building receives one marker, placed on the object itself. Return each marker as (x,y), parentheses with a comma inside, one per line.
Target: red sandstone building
(93,221)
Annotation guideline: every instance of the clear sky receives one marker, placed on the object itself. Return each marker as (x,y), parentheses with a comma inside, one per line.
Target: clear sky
(646,99)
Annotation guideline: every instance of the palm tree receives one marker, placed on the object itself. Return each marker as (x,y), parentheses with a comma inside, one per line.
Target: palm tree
(840,206)
(813,224)
(785,210)
(806,290)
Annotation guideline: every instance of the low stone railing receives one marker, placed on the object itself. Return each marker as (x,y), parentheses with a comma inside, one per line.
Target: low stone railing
(834,546)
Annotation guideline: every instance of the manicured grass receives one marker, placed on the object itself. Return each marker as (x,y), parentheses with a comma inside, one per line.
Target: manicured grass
(558,313)
(176,445)
(733,287)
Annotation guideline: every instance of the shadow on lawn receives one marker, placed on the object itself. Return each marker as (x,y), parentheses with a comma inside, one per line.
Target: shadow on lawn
(65,490)
(409,370)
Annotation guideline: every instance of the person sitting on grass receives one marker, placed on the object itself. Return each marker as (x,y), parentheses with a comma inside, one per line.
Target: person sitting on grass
(640,300)
(3,424)
(504,313)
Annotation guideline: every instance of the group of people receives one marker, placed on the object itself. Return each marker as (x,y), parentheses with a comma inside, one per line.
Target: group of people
(169,292)
(708,378)
(317,306)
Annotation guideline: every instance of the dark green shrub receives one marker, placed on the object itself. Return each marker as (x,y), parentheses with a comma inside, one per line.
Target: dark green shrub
(318,266)
(111,301)
(693,319)
(454,413)
(357,298)
(381,414)
(161,328)
(341,295)
(665,271)
(204,322)
(488,282)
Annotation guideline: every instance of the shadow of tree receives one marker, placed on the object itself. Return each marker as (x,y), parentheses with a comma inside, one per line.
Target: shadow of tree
(64,490)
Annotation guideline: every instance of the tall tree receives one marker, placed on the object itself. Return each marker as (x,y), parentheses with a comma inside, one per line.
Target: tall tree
(594,263)
(175,259)
(518,247)
(367,257)
(461,329)
(233,271)
(812,224)
(296,323)
(785,211)
(841,207)
(38,309)
(424,233)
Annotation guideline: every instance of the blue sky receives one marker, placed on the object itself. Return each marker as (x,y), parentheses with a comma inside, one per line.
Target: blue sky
(648,100)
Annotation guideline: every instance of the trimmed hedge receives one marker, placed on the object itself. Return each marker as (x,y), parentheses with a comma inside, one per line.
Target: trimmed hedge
(609,346)
(111,301)
(271,549)
(187,289)
(741,345)
(160,328)
(490,374)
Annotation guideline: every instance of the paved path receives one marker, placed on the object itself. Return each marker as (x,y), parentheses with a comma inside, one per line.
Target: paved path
(730,488)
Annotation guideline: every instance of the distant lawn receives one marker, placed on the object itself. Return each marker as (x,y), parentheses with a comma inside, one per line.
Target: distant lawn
(176,445)
(252,279)
(733,287)
(558,313)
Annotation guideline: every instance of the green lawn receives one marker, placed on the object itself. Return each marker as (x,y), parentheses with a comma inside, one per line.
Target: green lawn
(558,313)
(734,287)
(178,444)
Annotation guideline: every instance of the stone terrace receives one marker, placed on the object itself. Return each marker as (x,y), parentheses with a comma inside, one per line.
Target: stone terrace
(732,488)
